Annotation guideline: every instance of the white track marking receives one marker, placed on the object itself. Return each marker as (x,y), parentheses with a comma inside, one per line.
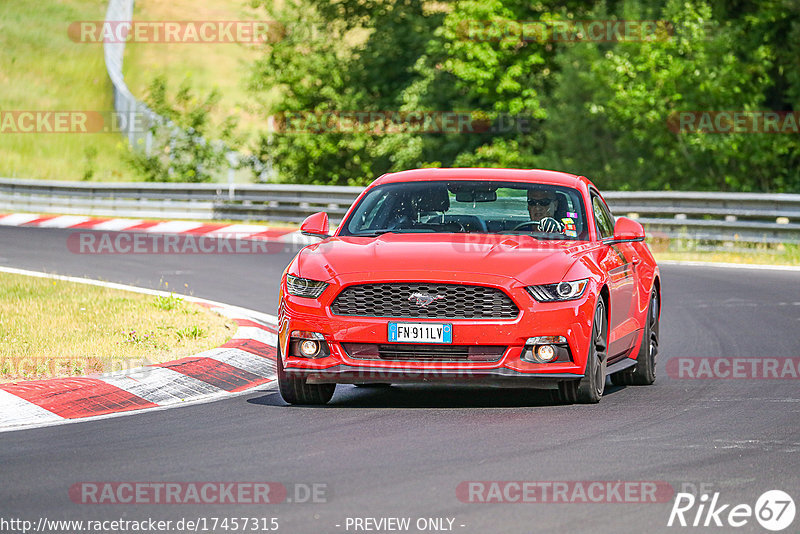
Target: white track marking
(16,411)
(242,360)
(231,311)
(64,221)
(259,334)
(159,385)
(234,312)
(116,225)
(173,227)
(18,219)
(189,402)
(238,231)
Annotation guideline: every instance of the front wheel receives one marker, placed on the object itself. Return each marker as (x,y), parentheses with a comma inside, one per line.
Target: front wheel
(297,391)
(589,389)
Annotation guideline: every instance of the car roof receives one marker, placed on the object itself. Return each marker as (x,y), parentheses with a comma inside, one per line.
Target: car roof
(510,175)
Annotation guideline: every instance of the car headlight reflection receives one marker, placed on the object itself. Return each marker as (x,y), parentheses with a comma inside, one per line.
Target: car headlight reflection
(558,292)
(304,287)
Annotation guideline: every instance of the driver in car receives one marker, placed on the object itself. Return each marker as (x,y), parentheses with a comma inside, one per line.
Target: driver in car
(542,208)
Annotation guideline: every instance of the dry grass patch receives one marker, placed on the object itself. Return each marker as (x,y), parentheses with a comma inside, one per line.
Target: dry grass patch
(51,328)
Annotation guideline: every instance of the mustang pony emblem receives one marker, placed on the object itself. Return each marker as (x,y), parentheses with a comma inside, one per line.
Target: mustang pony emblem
(423,299)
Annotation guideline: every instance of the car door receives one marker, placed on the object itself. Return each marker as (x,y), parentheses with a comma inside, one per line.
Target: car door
(618,261)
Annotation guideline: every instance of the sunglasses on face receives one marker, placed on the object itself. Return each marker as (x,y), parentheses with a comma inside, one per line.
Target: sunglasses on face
(540,201)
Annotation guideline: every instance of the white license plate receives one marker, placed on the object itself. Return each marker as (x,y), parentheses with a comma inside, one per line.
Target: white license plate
(421,332)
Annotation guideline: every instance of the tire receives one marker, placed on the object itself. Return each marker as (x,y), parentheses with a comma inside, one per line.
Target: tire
(297,391)
(644,372)
(567,392)
(589,389)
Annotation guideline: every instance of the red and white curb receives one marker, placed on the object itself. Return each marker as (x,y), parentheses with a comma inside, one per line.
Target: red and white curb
(245,362)
(229,231)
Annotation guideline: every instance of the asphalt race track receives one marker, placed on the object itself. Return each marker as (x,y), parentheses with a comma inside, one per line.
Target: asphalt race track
(403,451)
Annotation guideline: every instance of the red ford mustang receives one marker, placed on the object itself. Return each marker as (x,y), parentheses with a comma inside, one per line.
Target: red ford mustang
(498,277)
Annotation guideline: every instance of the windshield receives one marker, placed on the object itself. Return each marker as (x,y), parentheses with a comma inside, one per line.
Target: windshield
(541,210)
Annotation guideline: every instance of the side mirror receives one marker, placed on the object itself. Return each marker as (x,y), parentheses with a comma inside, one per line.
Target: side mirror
(316,225)
(627,230)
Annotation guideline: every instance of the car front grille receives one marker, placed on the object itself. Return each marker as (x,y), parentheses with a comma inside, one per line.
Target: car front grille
(447,301)
(439,353)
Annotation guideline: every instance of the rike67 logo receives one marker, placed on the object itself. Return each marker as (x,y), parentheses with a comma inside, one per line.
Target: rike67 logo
(774,510)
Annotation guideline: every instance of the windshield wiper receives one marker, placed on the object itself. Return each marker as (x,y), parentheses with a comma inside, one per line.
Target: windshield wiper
(536,235)
(377,233)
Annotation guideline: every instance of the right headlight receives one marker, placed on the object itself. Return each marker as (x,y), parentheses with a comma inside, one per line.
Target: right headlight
(304,287)
(559,292)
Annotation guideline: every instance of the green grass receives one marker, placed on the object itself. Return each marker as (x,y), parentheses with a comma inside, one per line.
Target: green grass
(745,253)
(42,69)
(52,328)
(167,303)
(207,66)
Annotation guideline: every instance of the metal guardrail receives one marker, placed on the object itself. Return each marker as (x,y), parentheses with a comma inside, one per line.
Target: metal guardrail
(124,102)
(745,217)
(242,202)
(138,119)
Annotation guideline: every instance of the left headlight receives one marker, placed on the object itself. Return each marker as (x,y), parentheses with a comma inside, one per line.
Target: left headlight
(558,292)
(303,287)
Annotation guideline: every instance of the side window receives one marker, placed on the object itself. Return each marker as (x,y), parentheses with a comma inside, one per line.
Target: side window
(602,218)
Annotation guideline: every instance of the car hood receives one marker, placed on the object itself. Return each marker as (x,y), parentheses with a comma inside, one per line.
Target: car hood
(453,256)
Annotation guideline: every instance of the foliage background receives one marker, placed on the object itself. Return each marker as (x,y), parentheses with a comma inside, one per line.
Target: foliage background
(600,109)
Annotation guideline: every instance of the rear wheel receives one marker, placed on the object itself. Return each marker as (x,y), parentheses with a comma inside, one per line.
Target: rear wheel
(644,372)
(298,391)
(589,389)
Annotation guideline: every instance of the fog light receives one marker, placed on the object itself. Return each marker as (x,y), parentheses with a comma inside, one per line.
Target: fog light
(546,349)
(309,348)
(546,353)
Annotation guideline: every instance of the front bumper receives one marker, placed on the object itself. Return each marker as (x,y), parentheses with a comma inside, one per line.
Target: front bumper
(500,377)
(572,319)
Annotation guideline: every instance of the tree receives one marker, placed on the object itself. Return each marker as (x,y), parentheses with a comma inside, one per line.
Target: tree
(183,150)
(602,109)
